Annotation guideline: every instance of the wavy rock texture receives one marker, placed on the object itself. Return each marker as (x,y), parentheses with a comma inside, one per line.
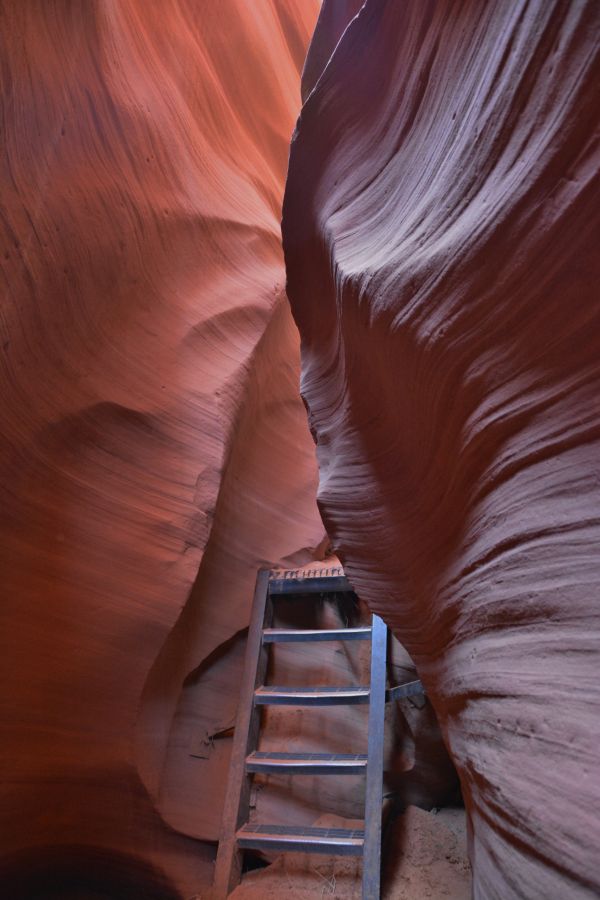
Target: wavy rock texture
(150,422)
(441,239)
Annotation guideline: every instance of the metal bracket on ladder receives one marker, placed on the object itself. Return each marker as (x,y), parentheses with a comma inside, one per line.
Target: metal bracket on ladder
(237,833)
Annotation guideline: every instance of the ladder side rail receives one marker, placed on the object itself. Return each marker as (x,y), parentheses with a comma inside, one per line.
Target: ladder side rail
(245,741)
(374,785)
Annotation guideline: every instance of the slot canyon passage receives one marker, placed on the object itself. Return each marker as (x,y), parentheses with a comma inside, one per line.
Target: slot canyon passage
(440,248)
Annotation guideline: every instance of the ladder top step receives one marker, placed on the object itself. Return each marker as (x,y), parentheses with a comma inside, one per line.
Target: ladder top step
(274,635)
(307,763)
(311,696)
(334,841)
(323,585)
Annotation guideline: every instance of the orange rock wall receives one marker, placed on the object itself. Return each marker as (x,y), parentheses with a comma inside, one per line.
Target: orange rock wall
(150,423)
(441,234)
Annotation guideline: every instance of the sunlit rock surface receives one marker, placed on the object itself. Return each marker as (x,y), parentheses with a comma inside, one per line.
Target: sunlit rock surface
(150,422)
(441,238)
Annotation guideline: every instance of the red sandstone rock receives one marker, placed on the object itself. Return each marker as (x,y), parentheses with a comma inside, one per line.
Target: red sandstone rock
(150,419)
(441,237)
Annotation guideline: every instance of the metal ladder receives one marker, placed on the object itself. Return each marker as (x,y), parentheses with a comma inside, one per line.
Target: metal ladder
(237,834)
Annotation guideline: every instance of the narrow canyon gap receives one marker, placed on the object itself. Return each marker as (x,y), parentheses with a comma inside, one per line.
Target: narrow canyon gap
(440,232)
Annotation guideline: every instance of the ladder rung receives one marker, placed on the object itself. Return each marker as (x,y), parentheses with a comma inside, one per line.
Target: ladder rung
(281,838)
(410,689)
(307,763)
(285,635)
(311,696)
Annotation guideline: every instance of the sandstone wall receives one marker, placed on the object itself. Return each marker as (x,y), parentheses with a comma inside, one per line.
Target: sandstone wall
(441,239)
(150,423)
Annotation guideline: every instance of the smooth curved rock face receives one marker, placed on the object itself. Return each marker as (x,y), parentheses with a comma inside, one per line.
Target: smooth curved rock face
(441,239)
(150,421)
(331,24)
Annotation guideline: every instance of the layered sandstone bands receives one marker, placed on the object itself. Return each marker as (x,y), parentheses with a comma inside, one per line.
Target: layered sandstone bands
(441,232)
(150,422)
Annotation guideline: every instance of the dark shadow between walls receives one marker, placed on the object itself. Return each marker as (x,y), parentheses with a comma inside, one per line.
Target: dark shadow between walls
(77,872)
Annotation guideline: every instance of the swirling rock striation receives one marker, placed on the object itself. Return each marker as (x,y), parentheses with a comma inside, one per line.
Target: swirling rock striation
(441,239)
(150,422)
